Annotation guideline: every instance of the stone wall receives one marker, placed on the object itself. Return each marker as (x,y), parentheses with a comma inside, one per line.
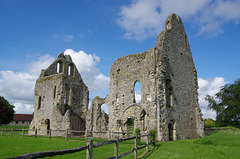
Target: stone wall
(60,98)
(168,78)
(96,119)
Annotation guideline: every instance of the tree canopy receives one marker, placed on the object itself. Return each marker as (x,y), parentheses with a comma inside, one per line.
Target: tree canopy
(6,111)
(226,103)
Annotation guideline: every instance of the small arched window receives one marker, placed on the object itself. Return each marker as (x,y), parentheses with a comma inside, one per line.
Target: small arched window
(70,70)
(59,67)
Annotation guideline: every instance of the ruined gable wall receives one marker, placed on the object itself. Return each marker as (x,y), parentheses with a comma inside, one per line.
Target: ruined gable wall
(64,97)
(183,79)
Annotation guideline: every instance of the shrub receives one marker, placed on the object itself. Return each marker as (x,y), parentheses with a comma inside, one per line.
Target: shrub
(138,133)
(152,137)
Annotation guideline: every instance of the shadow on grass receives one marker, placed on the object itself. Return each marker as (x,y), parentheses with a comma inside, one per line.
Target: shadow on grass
(150,152)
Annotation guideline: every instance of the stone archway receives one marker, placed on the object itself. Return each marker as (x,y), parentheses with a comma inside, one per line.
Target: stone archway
(134,112)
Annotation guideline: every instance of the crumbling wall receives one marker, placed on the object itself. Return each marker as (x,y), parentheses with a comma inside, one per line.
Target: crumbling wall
(96,119)
(182,109)
(125,72)
(60,98)
(168,81)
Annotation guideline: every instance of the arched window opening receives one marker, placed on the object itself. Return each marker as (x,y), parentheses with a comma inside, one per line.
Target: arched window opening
(129,125)
(39,102)
(137,92)
(59,67)
(70,70)
(105,117)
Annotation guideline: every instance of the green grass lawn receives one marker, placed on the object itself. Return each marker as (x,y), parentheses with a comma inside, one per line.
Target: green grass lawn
(220,144)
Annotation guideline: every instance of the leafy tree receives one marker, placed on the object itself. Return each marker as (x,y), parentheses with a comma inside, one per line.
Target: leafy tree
(208,123)
(226,103)
(6,111)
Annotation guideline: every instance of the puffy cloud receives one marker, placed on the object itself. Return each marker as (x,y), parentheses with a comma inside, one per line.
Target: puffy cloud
(86,65)
(42,63)
(138,97)
(145,18)
(208,87)
(18,87)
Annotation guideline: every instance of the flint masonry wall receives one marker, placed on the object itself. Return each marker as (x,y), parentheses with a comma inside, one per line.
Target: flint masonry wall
(60,98)
(168,81)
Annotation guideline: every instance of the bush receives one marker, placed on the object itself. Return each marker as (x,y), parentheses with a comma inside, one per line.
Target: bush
(152,137)
(209,123)
(138,133)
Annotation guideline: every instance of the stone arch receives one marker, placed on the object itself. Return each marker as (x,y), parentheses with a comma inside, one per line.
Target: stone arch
(59,67)
(134,111)
(105,112)
(137,92)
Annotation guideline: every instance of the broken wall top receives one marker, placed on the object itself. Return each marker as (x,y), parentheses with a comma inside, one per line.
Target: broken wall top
(62,65)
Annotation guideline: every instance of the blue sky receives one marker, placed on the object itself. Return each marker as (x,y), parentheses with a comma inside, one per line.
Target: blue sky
(96,33)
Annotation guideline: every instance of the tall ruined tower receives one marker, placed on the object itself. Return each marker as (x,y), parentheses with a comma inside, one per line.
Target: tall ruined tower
(168,79)
(60,98)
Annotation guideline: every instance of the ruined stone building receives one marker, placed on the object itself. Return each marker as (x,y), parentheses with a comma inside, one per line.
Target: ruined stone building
(60,98)
(169,98)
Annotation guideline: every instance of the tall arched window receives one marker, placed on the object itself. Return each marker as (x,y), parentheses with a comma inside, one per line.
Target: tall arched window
(137,92)
(59,67)
(70,70)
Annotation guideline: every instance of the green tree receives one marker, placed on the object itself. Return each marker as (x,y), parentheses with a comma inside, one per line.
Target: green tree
(226,103)
(208,123)
(6,111)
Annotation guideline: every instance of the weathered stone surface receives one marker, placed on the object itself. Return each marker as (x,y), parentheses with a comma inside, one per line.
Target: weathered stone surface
(168,78)
(96,119)
(60,98)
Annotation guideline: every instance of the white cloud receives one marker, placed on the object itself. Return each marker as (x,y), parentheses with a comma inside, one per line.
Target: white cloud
(18,87)
(145,18)
(208,87)
(138,97)
(42,63)
(86,65)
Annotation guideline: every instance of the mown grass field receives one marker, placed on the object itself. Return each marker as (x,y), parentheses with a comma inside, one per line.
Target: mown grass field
(220,144)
